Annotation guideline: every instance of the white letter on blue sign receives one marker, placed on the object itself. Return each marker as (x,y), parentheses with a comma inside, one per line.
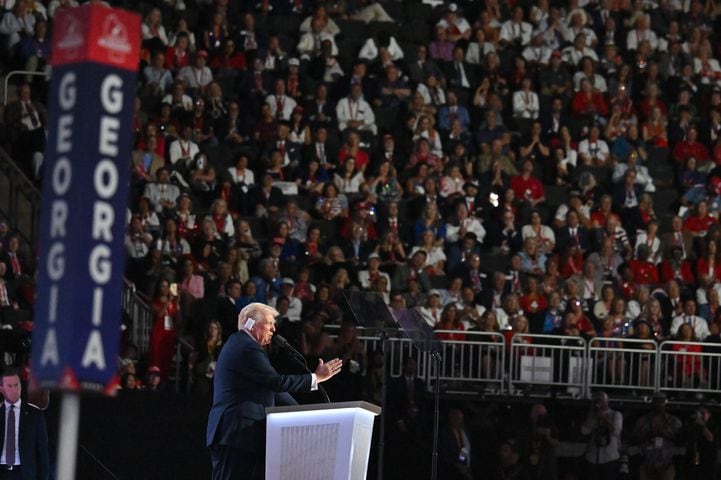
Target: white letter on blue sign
(65,132)
(58,217)
(109,127)
(111,94)
(62,175)
(94,352)
(67,91)
(103,218)
(56,261)
(50,349)
(106,178)
(100,265)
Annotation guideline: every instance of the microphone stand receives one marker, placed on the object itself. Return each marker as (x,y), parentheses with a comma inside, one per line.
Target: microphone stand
(300,360)
(436,357)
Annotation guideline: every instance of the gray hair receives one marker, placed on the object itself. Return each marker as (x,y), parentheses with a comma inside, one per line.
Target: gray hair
(256,311)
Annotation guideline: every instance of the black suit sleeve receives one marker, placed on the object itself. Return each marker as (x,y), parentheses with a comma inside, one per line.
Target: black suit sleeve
(258,371)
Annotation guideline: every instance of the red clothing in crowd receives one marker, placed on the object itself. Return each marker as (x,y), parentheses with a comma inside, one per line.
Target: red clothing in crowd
(175,59)
(696,224)
(361,158)
(235,61)
(582,104)
(687,365)
(162,337)
(709,269)
(600,218)
(450,337)
(532,304)
(645,107)
(685,150)
(530,188)
(585,325)
(644,273)
(682,274)
(159,145)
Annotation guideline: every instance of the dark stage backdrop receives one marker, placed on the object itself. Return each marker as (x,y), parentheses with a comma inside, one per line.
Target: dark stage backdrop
(139,436)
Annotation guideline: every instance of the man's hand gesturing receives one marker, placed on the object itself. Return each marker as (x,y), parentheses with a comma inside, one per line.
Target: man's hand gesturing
(328,370)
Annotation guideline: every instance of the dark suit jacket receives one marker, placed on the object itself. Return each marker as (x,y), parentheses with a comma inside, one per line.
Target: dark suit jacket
(14,114)
(470,71)
(667,241)
(564,239)
(292,150)
(401,276)
(399,402)
(257,197)
(24,267)
(32,441)
(245,384)
(311,109)
(418,74)
(309,152)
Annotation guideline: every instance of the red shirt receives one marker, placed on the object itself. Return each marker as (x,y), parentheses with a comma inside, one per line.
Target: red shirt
(644,273)
(527,188)
(685,150)
(175,60)
(600,218)
(236,61)
(697,224)
(684,273)
(583,105)
(703,267)
(532,304)
(451,336)
(361,158)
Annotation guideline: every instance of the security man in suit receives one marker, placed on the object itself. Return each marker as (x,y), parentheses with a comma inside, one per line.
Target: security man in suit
(24,451)
(245,384)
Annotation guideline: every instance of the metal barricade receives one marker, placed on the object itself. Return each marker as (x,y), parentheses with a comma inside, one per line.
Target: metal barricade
(18,72)
(542,363)
(141,316)
(470,360)
(622,364)
(399,349)
(689,367)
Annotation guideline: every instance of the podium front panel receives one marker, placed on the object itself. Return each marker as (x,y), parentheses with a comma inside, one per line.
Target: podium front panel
(318,444)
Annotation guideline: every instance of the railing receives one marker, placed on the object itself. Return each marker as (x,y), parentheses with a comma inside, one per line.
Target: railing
(547,361)
(623,363)
(689,367)
(19,200)
(18,72)
(544,365)
(470,360)
(140,314)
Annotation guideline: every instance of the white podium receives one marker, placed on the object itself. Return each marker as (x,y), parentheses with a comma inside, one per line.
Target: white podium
(325,441)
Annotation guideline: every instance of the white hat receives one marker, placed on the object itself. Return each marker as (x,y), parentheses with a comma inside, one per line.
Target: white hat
(288,281)
(433,291)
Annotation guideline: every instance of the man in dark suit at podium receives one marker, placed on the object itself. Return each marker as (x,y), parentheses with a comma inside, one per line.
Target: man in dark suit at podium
(245,384)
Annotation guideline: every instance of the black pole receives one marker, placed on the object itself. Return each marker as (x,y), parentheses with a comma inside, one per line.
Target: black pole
(436,414)
(381,440)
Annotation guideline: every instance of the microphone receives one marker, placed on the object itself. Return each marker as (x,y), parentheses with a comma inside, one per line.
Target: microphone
(281,342)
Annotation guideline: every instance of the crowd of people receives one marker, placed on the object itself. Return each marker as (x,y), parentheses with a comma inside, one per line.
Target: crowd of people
(492,165)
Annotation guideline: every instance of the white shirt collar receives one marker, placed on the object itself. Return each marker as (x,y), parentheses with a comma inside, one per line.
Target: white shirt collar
(16,404)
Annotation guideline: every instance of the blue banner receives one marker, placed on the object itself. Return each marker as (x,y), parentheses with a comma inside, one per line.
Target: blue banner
(85,197)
